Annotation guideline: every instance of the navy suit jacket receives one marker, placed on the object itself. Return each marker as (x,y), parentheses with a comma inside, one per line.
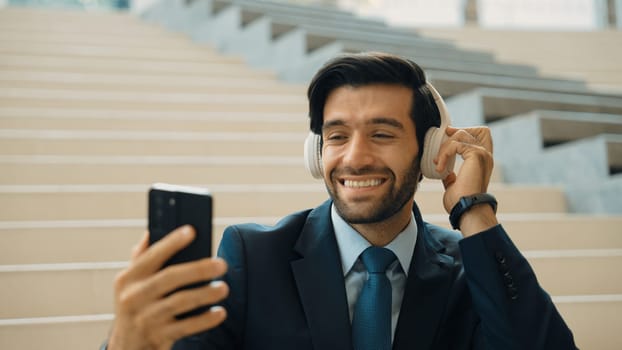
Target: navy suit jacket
(287,292)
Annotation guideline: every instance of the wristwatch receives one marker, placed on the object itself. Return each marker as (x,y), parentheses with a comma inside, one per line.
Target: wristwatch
(465,203)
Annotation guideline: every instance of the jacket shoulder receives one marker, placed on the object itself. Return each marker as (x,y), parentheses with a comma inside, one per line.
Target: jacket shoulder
(283,234)
(443,240)
(290,223)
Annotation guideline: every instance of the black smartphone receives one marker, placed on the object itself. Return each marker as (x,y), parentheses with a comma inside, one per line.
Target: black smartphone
(172,206)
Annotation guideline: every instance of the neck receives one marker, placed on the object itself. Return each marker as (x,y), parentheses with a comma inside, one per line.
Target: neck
(384,232)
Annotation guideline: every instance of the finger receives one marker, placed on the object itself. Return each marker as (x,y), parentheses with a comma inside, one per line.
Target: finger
(207,320)
(165,310)
(483,136)
(477,166)
(157,254)
(463,135)
(459,135)
(451,130)
(465,150)
(479,136)
(141,246)
(177,276)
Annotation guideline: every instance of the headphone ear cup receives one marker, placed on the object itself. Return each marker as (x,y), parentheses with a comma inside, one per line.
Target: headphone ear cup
(433,140)
(313,156)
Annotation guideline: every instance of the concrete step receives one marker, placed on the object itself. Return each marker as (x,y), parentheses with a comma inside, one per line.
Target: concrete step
(73,289)
(86,288)
(485,105)
(596,197)
(69,333)
(559,127)
(130,201)
(593,268)
(39,118)
(31,170)
(67,20)
(328,14)
(593,320)
(193,53)
(203,67)
(153,37)
(598,157)
(451,83)
(534,131)
(112,239)
(75,98)
(550,48)
(145,83)
(155,143)
(566,135)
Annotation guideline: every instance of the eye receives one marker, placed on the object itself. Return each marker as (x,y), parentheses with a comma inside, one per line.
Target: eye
(382,135)
(335,136)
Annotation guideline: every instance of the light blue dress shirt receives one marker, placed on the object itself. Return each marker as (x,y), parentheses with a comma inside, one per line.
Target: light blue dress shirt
(352,244)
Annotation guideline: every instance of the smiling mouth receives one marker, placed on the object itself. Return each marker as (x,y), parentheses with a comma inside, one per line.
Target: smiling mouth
(361,183)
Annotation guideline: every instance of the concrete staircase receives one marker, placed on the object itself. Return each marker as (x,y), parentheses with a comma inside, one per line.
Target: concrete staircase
(94,107)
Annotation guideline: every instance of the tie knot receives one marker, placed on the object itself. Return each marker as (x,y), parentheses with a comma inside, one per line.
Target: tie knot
(377,259)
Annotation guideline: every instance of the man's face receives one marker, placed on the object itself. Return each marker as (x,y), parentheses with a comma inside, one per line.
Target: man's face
(369,151)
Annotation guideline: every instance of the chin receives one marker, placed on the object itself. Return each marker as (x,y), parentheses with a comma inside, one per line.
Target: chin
(363,214)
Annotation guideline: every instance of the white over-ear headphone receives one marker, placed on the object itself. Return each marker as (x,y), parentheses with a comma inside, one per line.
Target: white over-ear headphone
(433,139)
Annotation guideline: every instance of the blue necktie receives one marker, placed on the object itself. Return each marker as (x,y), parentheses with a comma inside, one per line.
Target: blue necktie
(371,322)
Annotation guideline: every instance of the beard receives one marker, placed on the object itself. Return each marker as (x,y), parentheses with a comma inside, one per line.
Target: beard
(379,210)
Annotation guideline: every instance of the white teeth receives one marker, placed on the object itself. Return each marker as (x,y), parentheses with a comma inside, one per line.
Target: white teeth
(359,184)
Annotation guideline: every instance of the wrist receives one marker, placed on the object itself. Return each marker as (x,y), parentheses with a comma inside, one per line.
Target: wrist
(479,218)
(474,213)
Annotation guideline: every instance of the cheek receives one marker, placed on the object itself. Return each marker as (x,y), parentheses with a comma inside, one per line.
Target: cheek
(327,160)
(403,166)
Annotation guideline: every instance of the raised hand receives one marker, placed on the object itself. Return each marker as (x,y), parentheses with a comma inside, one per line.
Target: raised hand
(145,309)
(474,145)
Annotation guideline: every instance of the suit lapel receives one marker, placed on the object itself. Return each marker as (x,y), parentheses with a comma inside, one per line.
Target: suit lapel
(425,296)
(320,282)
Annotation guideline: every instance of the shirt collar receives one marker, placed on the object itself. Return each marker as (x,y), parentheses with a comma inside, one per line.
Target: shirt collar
(352,244)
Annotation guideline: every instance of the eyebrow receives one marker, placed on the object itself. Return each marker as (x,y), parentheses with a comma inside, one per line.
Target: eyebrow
(379,120)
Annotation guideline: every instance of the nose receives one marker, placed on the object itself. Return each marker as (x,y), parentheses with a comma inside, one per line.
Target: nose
(358,152)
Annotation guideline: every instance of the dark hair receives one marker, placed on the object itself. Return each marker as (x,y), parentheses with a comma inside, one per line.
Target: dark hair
(361,69)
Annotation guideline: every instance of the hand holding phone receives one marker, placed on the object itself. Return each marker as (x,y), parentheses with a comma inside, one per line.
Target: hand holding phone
(144,308)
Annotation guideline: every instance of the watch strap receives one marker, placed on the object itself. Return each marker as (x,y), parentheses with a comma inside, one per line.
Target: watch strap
(465,203)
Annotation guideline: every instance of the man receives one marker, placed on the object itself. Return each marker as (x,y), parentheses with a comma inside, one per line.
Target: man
(307,282)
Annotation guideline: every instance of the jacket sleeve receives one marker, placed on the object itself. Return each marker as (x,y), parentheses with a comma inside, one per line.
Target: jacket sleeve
(515,312)
(229,334)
